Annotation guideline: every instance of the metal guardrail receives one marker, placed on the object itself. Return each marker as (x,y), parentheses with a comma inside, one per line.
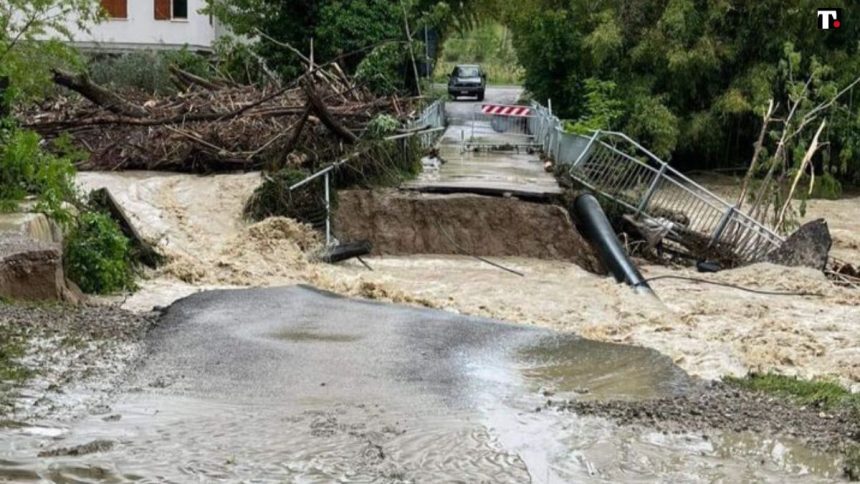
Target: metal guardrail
(488,130)
(618,167)
(432,118)
(428,127)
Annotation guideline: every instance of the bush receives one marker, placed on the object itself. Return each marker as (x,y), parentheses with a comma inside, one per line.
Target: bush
(98,255)
(146,70)
(273,198)
(236,60)
(27,169)
(382,125)
(602,108)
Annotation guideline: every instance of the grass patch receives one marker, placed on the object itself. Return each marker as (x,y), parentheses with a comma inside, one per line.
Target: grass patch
(12,347)
(13,344)
(820,393)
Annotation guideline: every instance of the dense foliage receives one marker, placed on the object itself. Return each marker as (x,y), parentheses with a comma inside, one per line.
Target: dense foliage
(98,255)
(337,27)
(146,70)
(31,41)
(348,31)
(28,170)
(693,78)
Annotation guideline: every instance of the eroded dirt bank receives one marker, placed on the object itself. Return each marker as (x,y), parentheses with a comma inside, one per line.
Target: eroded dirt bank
(405,223)
(709,331)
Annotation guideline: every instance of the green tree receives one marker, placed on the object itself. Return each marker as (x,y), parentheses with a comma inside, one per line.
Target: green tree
(98,255)
(694,77)
(350,28)
(31,44)
(32,35)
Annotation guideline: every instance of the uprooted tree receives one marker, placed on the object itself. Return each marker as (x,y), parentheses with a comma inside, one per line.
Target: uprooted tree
(216,125)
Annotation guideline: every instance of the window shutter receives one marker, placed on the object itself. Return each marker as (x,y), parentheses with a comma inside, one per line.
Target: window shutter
(116,8)
(162,9)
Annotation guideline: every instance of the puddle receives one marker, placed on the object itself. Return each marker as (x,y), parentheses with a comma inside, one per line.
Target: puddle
(299,336)
(573,366)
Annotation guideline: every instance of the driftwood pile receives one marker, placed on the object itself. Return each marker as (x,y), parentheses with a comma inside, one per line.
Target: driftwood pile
(214,125)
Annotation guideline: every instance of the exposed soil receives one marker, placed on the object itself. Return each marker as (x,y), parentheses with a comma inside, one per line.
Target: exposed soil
(32,270)
(402,223)
(718,406)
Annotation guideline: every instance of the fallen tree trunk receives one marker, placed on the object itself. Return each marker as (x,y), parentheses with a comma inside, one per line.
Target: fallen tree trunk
(190,79)
(100,96)
(325,116)
(145,251)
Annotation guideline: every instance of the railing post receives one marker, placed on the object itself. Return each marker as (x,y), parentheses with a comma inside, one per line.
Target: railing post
(585,151)
(721,227)
(327,212)
(651,190)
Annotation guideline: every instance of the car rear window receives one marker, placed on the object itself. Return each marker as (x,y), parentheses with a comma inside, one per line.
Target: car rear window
(468,72)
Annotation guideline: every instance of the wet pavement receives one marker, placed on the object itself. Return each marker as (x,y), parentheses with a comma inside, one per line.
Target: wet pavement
(513,170)
(292,384)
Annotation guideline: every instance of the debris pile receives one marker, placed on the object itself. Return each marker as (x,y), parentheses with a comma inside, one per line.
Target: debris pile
(214,125)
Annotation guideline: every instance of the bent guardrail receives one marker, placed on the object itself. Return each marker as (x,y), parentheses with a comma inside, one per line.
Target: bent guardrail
(616,166)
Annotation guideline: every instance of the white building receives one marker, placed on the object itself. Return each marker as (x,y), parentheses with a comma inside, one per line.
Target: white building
(151,24)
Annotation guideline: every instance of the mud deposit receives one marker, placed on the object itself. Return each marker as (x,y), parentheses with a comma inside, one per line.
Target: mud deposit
(76,357)
(289,384)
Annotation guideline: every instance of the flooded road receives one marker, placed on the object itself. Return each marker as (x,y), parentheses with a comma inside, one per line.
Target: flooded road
(290,384)
(515,171)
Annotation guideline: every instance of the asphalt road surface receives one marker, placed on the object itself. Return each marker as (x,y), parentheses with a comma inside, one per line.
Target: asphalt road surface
(291,384)
(495,162)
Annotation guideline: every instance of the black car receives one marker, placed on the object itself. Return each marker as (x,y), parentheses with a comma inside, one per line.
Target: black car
(467,80)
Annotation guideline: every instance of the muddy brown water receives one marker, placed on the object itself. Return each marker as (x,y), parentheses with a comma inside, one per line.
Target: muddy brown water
(294,385)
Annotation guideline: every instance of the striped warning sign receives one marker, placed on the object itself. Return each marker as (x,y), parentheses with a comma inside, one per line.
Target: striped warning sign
(502,110)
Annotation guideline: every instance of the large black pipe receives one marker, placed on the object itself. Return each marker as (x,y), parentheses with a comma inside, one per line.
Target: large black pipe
(598,230)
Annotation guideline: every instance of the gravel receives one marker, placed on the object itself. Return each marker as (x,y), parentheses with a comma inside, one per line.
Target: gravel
(81,350)
(718,406)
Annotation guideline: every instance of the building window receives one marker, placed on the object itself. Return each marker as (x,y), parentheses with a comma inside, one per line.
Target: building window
(171,9)
(116,8)
(180,8)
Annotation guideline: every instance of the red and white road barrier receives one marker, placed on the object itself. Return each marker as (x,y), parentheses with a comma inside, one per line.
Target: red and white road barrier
(502,110)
